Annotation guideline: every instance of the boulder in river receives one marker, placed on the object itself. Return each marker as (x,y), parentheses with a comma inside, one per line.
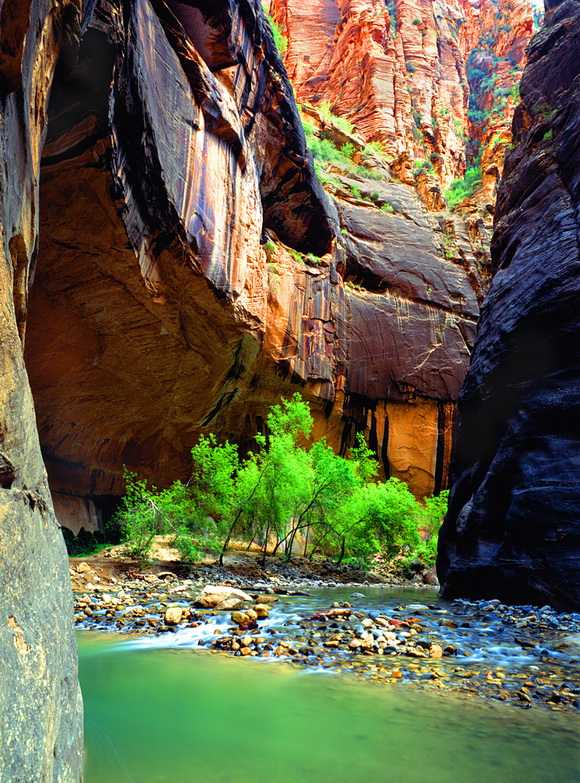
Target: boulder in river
(570,644)
(173,615)
(221,597)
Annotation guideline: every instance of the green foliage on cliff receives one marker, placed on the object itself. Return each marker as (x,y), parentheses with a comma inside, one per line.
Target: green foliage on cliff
(461,189)
(282,491)
(280,39)
(341,122)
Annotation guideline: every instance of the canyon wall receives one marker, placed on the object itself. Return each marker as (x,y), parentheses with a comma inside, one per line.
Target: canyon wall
(192,269)
(40,703)
(434,81)
(513,529)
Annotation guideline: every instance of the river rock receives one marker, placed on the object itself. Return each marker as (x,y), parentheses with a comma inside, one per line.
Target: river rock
(569,644)
(264,598)
(221,597)
(239,617)
(173,615)
(261,611)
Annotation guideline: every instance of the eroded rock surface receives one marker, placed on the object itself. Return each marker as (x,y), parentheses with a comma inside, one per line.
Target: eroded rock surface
(432,81)
(40,703)
(513,530)
(192,269)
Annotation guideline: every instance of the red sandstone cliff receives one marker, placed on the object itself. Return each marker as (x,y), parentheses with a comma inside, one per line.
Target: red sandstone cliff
(434,82)
(191,268)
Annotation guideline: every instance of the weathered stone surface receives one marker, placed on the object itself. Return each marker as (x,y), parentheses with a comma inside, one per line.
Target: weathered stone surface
(513,530)
(173,615)
(404,74)
(173,291)
(40,703)
(153,293)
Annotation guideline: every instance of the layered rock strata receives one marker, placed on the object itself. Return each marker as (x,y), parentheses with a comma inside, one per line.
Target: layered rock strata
(513,530)
(40,703)
(191,267)
(434,82)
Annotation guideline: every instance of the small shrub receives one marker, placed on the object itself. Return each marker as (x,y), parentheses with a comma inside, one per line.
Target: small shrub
(376,146)
(341,122)
(460,189)
(421,165)
(411,67)
(348,150)
(279,38)
(184,544)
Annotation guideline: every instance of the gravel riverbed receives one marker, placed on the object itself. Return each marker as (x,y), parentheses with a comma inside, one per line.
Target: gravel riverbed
(404,636)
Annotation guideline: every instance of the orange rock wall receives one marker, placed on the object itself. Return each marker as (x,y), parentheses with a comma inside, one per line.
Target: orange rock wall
(399,71)
(192,270)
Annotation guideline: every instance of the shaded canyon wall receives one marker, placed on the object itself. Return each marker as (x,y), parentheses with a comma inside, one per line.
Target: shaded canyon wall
(191,268)
(40,703)
(513,529)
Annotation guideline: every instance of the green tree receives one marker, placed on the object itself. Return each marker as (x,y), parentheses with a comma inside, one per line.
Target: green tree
(281,490)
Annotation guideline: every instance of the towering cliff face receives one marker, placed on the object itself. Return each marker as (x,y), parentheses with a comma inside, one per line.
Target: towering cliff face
(164,165)
(40,716)
(191,268)
(434,81)
(513,530)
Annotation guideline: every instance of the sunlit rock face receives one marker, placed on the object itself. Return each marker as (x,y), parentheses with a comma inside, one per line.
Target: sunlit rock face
(41,713)
(155,312)
(513,530)
(191,268)
(430,79)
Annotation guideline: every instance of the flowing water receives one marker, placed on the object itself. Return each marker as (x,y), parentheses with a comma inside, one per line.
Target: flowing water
(178,715)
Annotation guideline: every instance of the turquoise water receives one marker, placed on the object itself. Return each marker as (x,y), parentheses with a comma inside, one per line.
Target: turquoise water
(181,716)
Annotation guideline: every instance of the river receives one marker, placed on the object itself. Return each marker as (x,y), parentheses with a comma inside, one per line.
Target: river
(179,714)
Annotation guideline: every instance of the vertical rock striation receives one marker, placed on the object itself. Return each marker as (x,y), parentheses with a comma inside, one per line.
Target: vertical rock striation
(40,704)
(513,530)
(434,82)
(191,267)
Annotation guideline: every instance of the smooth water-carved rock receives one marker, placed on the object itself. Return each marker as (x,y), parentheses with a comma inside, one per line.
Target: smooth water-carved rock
(191,267)
(513,530)
(40,703)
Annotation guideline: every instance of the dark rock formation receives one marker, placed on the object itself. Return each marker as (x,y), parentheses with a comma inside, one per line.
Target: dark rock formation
(513,530)
(41,713)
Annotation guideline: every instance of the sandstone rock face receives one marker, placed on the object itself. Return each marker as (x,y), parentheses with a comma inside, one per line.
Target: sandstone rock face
(40,703)
(514,520)
(192,269)
(434,81)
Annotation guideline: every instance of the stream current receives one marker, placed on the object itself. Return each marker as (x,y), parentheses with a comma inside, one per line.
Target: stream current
(164,710)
